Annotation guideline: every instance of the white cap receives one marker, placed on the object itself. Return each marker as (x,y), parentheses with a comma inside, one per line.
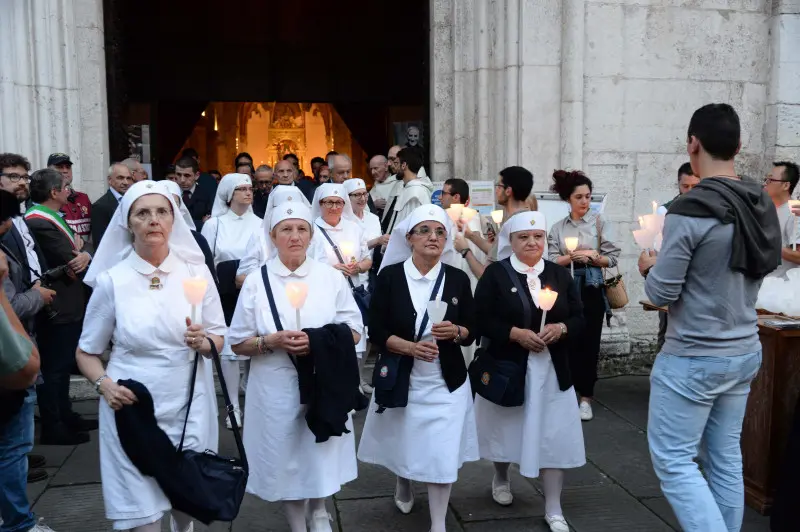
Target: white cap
(522,221)
(351,185)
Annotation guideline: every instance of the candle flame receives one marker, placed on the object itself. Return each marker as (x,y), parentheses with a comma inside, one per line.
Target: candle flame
(194,288)
(641,222)
(497,216)
(655,207)
(348,249)
(547,298)
(296,292)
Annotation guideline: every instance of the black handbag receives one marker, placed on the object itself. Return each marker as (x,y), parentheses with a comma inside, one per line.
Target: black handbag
(390,384)
(215,485)
(360,293)
(501,381)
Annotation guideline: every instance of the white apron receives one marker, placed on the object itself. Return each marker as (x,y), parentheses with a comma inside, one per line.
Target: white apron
(163,365)
(545,432)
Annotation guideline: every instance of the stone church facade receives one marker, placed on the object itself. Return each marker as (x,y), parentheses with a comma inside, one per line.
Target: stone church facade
(607,86)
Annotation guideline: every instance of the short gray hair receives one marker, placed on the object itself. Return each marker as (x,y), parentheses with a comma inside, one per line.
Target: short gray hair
(130,162)
(264,168)
(114,165)
(43,182)
(342,155)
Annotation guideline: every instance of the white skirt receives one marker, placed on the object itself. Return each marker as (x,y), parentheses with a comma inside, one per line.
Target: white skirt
(285,461)
(545,432)
(428,440)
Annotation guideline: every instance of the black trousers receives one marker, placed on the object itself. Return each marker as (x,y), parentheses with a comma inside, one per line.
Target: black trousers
(57,345)
(585,349)
(662,331)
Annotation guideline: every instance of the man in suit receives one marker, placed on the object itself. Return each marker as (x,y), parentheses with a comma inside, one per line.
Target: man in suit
(78,210)
(198,197)
(60,330)
(120,179)
(206,180)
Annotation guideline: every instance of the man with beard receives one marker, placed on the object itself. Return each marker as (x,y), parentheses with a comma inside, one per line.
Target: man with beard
(415,190)
(78,209)
(384,186)
(262,187)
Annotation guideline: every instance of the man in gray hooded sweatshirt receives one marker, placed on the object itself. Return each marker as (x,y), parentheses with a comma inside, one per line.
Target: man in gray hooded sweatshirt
(720,240)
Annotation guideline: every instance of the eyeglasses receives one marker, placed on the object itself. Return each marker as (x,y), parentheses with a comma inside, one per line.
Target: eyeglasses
(426,231)
(499,185)
(14,178)
(770,180)
(358,195)
(332,204)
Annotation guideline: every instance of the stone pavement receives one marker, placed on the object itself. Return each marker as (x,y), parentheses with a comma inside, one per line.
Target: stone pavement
(615,490)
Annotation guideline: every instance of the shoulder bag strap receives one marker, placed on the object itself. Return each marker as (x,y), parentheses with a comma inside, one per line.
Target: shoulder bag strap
(191,396)
(435,291)
(338,255)
(275,316)
(228,406)
(526,305)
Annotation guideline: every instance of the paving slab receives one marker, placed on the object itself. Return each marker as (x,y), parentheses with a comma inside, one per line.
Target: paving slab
(580,477)
(603,508)
(380,514)
(533,524)
(471,496)
(73,508)
(256,515)
(620,450)
(753,521)
(83,465)
(55,455)
(35,489)
(627,396)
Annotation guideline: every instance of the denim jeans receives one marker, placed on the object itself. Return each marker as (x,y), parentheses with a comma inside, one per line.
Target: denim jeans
(16,441)
(694,399)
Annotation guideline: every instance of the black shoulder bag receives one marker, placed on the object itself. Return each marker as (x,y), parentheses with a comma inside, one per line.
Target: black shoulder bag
(214,485)
(274,308)
(360,293)
(390,384)
(501,381)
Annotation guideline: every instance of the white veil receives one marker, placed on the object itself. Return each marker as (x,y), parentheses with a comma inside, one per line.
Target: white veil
(175,189)
(227,186)
(398,249)
(328,190)
(117,241)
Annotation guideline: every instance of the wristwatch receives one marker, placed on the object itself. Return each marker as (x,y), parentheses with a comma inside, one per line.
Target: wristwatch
(98,382)
(563,329)
(464,253)
(457,339)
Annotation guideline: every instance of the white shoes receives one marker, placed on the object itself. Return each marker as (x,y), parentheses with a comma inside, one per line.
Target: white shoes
(320,521)
(586,411)
(366,389)
(501,492)
(173,526)
(40,527)
(557,523)
(405,507)
(238,415)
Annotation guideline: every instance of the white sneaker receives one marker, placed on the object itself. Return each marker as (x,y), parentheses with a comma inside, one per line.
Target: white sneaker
(557,523)
(366,389)
(501,492)
(405,507)
(586,411)
(320,521)
(236,414)
(173,526)
(41,527)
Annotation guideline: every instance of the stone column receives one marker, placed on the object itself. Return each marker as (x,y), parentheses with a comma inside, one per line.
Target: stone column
(53,85)
(783,95)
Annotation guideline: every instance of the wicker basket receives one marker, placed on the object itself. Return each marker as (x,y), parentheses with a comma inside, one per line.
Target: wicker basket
(615,290)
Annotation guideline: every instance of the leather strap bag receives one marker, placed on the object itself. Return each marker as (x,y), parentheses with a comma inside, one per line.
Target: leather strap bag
(614,286)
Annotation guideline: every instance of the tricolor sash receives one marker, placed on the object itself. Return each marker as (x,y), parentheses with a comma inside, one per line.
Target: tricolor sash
(41,212)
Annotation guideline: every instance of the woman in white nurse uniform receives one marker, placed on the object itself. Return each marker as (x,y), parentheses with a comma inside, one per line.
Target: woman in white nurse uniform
(138,302)
(430,438)
(544,435)
(338,226)
(286,463)
(228,232)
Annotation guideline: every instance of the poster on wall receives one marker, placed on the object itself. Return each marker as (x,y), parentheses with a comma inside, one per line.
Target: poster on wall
(409,134)
(139,145)
(481,195)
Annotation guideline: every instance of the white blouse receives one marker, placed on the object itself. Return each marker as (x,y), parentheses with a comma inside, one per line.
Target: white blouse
(345,231)
(228,235)
(420,288)
(329,295)
(371,225)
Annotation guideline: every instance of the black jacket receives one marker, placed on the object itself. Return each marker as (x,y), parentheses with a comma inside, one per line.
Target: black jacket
(102,212)
(203,243)
(392,313)
(328,378)
(14,242)
(500,309)
(201,202)
(756,249)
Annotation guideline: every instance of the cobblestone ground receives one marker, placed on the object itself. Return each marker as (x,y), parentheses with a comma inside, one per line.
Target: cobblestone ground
(615,490)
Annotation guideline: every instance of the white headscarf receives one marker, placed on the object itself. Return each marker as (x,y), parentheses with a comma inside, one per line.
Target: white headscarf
(227,186)
(117,241)
(332,190)
(175,189)
(290,210)
(398,249)
(351,185)
(279,195)
(524,221)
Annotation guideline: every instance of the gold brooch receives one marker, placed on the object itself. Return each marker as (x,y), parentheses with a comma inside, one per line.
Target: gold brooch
(155,284)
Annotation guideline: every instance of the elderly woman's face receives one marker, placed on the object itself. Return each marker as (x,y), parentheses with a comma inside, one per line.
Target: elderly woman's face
(291,238)
(331,209)
(427,239)
(528,246)
(358,199)
(243,195)
(150,220)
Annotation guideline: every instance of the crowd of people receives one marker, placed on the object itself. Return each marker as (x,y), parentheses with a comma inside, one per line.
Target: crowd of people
(472,359)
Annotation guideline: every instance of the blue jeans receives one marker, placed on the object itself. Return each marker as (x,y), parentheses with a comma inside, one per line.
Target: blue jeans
(16,441)
(694,399)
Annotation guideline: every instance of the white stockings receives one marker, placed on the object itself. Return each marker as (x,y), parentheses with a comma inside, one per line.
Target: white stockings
(438,498)
(552,482)
(230,370)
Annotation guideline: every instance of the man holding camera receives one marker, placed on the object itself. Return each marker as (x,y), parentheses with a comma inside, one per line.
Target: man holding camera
(59,326)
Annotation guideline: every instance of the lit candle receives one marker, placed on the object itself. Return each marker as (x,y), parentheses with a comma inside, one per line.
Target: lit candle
(497,216)
(641,222)
(194,288)
(297,292)
(572,244)
(655,207)
(454,211)
(468,214)
(348,250)
(547,298)
(644,238)
(793,203)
